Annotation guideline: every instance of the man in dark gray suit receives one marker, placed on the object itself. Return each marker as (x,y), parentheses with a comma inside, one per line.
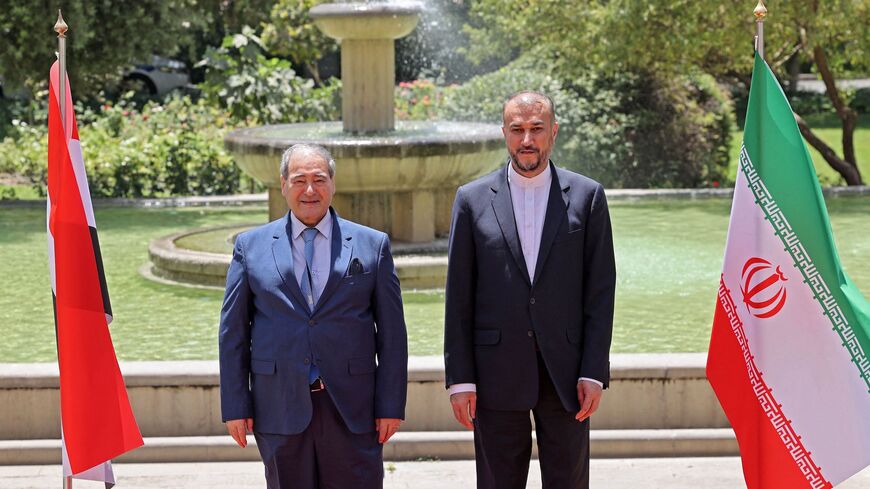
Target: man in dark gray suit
(529,315)
(313,347)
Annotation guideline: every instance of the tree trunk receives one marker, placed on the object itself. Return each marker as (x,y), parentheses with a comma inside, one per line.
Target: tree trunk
(844,168)
(315,73)
(848,118)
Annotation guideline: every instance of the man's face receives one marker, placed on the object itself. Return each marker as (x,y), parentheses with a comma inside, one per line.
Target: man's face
(308,187)
(529,133)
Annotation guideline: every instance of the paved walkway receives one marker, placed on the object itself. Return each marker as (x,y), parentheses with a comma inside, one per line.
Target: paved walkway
(639,473)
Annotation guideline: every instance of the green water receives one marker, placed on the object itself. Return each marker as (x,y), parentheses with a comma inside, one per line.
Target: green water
(669,256)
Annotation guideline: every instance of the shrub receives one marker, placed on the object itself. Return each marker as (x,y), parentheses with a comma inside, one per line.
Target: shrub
(419,100)
(257,89)
(160,150)
(624,129)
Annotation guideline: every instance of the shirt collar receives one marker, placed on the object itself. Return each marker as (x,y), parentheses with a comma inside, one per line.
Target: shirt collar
(538,180)
(324,226)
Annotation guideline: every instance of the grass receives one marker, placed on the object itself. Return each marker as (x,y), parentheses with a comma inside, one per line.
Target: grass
(827,128)
(669,255)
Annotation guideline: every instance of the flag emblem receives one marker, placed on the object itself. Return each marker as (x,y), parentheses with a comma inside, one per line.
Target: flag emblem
(763,288)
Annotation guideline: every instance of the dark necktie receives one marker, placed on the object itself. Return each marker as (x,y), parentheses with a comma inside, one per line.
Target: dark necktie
(307,286)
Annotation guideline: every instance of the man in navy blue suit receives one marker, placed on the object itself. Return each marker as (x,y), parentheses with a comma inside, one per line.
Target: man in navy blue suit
(313,346)
(529,315)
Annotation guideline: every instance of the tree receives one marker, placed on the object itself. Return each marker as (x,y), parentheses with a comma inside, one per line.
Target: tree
(104,37)
(673,37)
(290,32)
(107,36)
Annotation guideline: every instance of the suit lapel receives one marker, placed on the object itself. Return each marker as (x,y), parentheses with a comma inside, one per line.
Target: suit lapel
(342,248)
(504,214)
(282,252)
(557,202)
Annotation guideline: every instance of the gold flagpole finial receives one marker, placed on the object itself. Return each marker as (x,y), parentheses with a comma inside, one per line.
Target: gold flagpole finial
(760,11)
(60,26)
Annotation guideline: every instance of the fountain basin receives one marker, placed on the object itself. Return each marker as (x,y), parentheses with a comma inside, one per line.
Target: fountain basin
(366,20)
(401,182)
(200,258)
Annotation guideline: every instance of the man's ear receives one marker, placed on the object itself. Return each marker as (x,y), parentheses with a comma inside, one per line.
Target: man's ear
(283,186)
(555,130)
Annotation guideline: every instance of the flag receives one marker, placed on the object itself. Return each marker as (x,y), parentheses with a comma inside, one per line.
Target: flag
(788,352)
(97,421)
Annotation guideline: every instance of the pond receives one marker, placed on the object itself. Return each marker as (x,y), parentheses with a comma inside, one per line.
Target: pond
(669,256)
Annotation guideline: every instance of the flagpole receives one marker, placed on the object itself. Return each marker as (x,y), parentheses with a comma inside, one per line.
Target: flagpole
(760,14)
(60,27)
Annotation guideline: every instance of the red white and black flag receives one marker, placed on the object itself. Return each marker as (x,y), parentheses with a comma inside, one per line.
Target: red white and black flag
(97,421)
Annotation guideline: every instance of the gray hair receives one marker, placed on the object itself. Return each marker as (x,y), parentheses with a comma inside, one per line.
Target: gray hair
(526,97)
(315,149)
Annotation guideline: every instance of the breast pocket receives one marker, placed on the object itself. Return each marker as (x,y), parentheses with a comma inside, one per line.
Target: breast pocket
(573,236)
(358,279)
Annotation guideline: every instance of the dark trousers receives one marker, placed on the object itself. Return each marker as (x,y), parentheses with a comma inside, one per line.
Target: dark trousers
(325,456)
(503,443)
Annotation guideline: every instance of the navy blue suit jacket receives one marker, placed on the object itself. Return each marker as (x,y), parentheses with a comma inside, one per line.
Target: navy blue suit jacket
(356,332)
(496,315)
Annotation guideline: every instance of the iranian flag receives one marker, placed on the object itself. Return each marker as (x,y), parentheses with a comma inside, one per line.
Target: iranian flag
(788,352)
(97,421)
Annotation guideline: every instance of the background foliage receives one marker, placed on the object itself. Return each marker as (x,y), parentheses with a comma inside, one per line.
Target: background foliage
(623,129)
(174,148)
(258,89)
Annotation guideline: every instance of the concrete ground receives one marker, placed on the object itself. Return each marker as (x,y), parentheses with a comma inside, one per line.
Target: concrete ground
(637,473)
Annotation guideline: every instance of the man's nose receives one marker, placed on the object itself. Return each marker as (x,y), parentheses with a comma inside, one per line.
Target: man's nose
(527,138)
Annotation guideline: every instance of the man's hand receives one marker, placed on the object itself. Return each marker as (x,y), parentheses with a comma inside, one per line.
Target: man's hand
(464,408)
(589,395)
(387,427)
(239,429)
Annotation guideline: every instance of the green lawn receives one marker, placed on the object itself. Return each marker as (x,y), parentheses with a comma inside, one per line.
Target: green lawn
(668,259)
(828,128)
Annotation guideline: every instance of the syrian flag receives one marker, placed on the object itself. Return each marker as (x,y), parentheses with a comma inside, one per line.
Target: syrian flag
(788,353)
(97,422)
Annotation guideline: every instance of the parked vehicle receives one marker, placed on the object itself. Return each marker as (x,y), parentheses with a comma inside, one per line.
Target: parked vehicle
(161,75)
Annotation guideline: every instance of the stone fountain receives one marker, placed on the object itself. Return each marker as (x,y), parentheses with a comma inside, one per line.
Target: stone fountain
(397,177)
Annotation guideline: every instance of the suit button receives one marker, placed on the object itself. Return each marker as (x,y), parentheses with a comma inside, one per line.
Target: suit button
(312,322)
(531,334)
(532,301)
(306,361)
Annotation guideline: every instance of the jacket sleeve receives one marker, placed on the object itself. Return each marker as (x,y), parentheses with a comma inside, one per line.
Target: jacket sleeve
(391,375)
(459,304)
(599,287)
(234,340)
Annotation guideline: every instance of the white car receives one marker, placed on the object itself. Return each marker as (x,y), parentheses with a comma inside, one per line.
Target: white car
(160,76)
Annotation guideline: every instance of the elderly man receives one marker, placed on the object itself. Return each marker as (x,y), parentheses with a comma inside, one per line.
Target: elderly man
(530,292)
(313,347)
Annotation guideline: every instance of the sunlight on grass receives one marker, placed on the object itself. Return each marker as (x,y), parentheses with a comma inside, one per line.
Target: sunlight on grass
(669,256)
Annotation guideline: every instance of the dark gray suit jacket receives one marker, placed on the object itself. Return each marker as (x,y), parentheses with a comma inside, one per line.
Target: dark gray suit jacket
(496,315)
(356,332)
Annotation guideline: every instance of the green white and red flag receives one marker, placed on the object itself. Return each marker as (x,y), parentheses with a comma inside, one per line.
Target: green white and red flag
(789,349)
(97,422)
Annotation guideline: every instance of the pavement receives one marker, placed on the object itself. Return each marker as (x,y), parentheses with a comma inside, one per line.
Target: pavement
(634,473)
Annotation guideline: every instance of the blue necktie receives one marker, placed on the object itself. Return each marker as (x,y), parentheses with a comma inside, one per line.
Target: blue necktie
(307,286)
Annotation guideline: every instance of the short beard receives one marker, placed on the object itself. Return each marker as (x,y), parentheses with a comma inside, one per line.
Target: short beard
(529,167)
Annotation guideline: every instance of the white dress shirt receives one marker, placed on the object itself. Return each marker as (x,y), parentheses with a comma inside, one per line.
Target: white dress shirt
(321,262)
(529,196)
